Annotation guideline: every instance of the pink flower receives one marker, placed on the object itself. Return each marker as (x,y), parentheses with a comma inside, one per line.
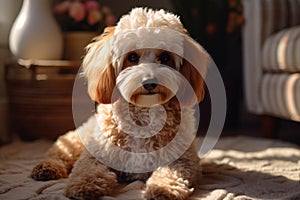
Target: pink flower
(91,5)
(88,13)
(94,16)
(77,11)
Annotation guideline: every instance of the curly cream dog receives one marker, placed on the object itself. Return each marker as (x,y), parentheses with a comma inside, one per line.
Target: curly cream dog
(145,121)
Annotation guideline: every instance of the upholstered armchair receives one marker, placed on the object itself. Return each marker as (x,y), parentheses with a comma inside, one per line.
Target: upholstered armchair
(271,56)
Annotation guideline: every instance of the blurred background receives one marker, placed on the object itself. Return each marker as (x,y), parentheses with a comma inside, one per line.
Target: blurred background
(216,24)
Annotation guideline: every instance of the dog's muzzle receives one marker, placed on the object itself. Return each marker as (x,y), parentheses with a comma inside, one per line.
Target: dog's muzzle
(148,84)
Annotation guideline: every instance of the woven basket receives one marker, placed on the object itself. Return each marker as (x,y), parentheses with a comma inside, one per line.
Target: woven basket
(40,97)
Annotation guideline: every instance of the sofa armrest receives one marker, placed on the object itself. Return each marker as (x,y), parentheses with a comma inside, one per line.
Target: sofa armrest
(263,17)
(252,56)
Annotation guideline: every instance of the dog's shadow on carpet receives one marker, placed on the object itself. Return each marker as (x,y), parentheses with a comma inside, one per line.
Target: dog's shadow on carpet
(225,181)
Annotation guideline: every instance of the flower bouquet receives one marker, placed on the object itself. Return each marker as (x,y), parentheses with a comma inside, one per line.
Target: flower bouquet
(81,21)
(82,15)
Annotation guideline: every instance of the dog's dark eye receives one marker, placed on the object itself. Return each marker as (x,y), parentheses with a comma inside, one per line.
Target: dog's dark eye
(133,57)
(164,58)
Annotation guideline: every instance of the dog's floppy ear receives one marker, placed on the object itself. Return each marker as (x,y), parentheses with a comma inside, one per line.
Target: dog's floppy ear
(106,85)
(196,81)
(97,67)
(193,68)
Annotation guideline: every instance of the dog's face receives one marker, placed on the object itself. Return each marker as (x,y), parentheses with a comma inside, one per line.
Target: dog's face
(149,77)
(145,66)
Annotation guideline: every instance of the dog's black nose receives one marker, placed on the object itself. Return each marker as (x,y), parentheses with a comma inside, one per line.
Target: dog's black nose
(149,83)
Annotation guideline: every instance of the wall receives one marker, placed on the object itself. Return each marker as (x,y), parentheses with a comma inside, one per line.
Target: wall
(122,8)
(8,12)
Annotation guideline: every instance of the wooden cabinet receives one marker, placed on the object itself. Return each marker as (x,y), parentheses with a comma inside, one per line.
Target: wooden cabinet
(39,96)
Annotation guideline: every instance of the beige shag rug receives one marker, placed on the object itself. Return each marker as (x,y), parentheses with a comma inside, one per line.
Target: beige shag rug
(238,168)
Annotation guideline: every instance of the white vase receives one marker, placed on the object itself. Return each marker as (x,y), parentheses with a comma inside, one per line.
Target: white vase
(35,33)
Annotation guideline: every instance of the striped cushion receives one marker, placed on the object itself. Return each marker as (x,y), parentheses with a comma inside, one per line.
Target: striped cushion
(281,95)
(278,14)
(281,51)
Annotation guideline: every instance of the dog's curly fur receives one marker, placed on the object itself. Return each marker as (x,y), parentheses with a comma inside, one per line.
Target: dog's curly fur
(74,155)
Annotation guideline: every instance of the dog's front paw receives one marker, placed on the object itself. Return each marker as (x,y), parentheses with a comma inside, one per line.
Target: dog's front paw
(49,170)
(88,187)
(167,190)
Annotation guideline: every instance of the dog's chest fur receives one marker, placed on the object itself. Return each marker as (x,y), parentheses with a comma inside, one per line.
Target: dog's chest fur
(139,129)
(128,128)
